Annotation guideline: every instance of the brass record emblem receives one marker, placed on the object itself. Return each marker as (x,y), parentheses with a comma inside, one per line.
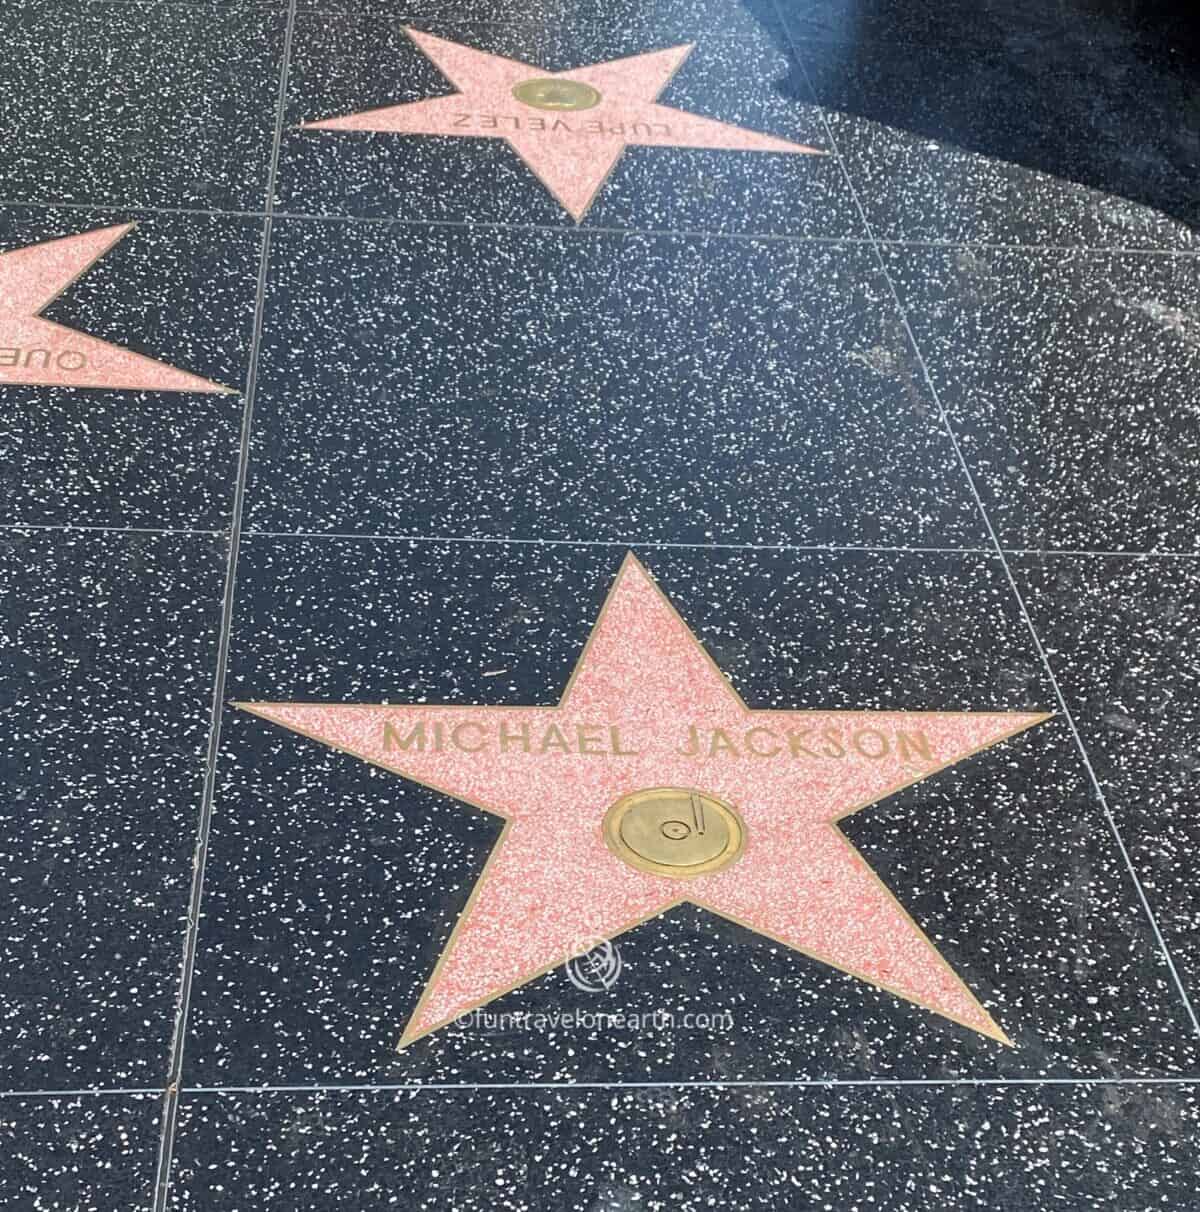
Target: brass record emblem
(674,831)
(548,93)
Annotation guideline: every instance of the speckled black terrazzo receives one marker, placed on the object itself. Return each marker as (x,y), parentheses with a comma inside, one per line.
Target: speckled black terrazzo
(179,289)
(107,645)
(904,1150)
(332,886)
(158,105)
(1004,143)
(90,1154)
(1071,380)
(1123,635)
(1116,26)
(434,382)
(677,20)
(343,64)
(918,188)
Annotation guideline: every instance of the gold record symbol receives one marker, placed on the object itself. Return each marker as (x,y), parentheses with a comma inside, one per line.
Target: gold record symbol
(674,831)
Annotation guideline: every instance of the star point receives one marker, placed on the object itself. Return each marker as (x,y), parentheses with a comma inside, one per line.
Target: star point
(41,352)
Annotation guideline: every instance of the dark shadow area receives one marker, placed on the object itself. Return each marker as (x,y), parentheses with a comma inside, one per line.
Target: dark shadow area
(1101,92)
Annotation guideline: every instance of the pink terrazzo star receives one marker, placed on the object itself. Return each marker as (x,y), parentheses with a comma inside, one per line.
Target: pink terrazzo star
(42,353)
(570,151)
(643,696)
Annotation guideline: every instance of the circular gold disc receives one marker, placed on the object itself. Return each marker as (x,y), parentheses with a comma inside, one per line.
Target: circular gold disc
(674,831)
(556,94)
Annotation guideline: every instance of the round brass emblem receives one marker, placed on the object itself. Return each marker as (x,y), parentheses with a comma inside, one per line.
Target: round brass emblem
(556,94)
(674,831)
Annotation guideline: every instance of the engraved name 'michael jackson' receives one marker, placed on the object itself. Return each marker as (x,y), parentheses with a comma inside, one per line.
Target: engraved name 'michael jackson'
(564,126)
(824,744)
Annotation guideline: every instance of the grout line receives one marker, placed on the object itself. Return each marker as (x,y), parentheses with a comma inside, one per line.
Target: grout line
(502,540)
(579,229)
(584,229)
(395,13)
(1020,600)
(653,544)
(567,1086)
(236,6)
(1083,551)
(131,207)
(996,246)
(702,1084)
(703,233)
(240,6)
(623,543)
(450,23)
(90,1091)
(191,937)
(439,22)
(70,526)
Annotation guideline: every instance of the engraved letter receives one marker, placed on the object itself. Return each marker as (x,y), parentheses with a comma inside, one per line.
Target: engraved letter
(753,732)
(860,736)
(616,749)
(415,739)
(917,742)
(457,741)
(798,747)
(553,738)
(719,742)
(588,741)
(509,738)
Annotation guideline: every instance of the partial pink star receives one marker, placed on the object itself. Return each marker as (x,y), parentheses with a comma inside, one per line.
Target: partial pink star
(37,351)
(647,708)
(570,152)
